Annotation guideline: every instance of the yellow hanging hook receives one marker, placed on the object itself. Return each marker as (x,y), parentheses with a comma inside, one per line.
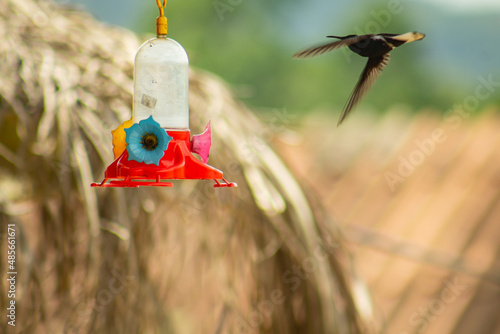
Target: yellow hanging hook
(161,21)
(158,2)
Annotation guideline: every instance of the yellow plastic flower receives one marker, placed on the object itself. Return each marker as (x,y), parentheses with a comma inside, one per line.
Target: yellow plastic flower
(119,135)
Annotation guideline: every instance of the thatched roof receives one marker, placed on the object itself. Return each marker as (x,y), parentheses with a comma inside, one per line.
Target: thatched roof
(419,197)
(190,259)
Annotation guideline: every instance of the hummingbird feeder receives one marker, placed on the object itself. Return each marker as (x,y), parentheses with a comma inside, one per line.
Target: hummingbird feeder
(156,144)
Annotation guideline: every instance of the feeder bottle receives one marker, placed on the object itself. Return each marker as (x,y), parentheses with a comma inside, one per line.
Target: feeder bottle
(161,83)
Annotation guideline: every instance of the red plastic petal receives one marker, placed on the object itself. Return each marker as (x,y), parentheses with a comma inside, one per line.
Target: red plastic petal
(200,144)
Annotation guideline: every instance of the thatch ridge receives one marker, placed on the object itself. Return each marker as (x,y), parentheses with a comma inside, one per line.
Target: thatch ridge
(184,260)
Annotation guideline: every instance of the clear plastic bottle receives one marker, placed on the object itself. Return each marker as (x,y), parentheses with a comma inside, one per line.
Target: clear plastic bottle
(161,83)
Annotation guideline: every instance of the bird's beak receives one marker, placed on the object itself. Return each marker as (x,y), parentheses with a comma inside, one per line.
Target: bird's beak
(409,37)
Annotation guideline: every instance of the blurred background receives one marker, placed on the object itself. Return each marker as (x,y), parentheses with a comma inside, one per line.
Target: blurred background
(404,196)
(250,43)
(415,225)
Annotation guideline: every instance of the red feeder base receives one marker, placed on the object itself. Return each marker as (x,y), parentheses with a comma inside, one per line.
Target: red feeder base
(177,163)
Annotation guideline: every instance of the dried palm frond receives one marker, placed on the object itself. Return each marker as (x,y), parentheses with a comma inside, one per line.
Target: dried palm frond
(189,259)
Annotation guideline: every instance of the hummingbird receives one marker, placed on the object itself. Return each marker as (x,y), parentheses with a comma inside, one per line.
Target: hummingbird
(375,47)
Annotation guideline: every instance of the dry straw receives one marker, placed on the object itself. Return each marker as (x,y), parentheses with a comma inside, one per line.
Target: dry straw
(189,259)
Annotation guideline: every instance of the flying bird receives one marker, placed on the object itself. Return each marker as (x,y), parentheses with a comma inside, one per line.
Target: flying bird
(374,46)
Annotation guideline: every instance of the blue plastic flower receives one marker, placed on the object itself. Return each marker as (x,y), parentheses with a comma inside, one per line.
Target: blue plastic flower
(147,141)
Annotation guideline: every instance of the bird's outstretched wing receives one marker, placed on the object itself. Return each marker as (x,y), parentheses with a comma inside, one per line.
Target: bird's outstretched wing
(318,50)
(372,69)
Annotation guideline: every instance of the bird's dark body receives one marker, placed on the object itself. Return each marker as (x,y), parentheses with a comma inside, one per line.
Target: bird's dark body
(371,47)
(376,48)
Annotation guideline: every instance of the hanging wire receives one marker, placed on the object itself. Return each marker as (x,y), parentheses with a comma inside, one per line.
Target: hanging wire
(158,2)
